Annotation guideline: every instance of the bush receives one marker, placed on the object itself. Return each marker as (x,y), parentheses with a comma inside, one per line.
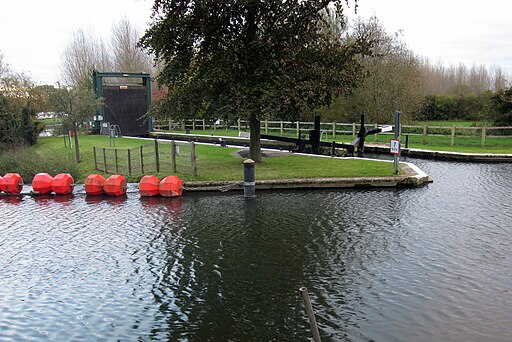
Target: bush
(28,162)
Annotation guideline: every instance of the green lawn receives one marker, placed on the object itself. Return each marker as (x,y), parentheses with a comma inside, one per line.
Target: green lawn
(216,163)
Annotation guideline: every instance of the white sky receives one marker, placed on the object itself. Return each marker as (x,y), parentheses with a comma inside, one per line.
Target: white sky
(33,33)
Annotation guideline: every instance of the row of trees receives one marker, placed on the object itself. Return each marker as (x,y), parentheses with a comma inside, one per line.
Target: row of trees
(396,78)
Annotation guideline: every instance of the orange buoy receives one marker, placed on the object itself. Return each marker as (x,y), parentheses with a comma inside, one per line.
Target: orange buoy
(12,183)
(148,186)
(94,185)
(63,184)
(42,183)
(170,186)
(115,185)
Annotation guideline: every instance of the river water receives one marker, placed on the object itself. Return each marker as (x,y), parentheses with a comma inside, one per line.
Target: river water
(428,264)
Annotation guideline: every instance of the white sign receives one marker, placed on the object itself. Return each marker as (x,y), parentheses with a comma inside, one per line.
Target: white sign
(395,146)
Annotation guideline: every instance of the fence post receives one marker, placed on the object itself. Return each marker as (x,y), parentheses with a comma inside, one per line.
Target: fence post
(157,157)
(281,127)
(204,126)
(193,158)
(376,136)
(238,121)
(193,124)
(452,141)
(424,135)
(298,129)
(266,126)
(354,130)
(173,156)
(483,136)
(170,124)
(141,159)
(94,154)
(104,161)
(129,162)
(334,131)
(115,161)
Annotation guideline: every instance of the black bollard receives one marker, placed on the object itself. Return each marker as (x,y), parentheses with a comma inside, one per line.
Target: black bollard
(249,181)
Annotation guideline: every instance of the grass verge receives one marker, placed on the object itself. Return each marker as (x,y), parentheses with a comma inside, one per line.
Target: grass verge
(216,163)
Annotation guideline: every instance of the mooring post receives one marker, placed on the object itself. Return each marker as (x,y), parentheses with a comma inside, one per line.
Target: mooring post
(249,180)
(303,293)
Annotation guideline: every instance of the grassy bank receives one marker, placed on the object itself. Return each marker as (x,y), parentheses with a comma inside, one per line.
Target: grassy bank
(216,163)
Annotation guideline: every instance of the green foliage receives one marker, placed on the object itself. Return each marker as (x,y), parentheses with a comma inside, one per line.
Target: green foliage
(252,59)
(28,161)
(444,107)
(17,128)
(502,101)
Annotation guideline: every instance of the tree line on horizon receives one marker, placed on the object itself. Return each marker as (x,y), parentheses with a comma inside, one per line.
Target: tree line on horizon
(296,60)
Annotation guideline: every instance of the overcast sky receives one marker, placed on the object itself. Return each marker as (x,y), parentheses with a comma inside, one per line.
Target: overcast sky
(33,33)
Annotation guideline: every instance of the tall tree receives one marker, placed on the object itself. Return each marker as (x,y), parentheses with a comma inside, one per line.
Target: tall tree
(250,58)
(127,56)
(83,54)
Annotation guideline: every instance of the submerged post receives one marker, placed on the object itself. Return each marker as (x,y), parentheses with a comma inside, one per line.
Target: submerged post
(303,293)
(249,180)
(397,137)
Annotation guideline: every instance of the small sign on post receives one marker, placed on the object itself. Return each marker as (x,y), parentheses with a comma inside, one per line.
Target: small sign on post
(394,147)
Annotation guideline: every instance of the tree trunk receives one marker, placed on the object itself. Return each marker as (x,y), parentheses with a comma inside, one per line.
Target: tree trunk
(255,142)
(77,146)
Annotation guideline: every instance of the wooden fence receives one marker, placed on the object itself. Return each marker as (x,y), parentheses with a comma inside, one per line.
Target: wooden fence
(450,135)
(158,156)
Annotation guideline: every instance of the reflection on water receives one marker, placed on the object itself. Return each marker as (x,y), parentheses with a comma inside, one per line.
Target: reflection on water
(388,265)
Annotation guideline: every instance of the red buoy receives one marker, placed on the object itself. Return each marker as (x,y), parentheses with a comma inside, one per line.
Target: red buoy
(1,184)
(148,186)
(115,185)
(170,186)
(63,184)
(12,183)
(94,184)
(42,183)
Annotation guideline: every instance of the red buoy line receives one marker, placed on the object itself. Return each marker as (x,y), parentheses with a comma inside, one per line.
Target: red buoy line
(95,185)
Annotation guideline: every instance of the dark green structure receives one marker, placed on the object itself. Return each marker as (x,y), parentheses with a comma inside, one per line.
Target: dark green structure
(126,104)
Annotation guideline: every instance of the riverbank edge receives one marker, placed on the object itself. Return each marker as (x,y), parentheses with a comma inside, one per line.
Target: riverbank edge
(369,147)
(444,155)
(412,177)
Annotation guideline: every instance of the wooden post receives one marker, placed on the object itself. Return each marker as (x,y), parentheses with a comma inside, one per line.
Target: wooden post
(141,159)
(424,135)
(157,157)
(452,140)
(193,158)
(129,162)
(354,130)
(104,161)
(193,124)
(484,129)
(266,126)
(95,161)
(281,127)
(170,125)
(115,161)
(173,156)
(238,124)
(298,129)
(334,131)
(204,126)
